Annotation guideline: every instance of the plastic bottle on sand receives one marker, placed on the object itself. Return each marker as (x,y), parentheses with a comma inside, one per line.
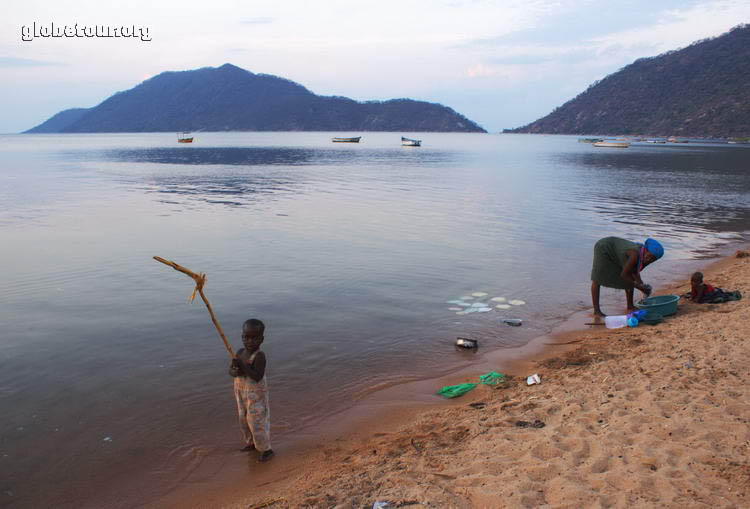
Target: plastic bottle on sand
(616,321)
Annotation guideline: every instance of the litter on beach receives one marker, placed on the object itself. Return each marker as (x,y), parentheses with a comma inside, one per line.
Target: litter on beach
(455,309)
(503,306)
(533,379)
(467,343)
(517,302)
(515,322)
(492,378)
(498,299)
(454,391)
(479,305)
(479,294)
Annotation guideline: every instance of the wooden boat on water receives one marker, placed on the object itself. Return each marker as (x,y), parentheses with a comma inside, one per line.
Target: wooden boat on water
(184,138)
(347,140)
(612,144)
(408,142)
(672,139)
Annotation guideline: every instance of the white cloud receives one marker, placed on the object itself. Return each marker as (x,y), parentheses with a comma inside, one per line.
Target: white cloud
(366,50)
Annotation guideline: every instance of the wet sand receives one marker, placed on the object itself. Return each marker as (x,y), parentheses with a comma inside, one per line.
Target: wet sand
(650,416)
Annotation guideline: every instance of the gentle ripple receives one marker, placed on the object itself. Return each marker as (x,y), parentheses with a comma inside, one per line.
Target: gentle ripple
(348,253)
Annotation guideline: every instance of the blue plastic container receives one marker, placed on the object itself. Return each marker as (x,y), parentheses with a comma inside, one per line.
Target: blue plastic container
(664,305)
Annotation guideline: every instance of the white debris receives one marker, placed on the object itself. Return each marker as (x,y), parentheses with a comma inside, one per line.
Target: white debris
(479,294)
(498,299)
(517,302)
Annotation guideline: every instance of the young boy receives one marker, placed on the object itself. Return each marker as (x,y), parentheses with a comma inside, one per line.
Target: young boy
(703,292)
(248,369)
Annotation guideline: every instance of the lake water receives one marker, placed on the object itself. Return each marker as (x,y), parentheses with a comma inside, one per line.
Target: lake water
(348,253)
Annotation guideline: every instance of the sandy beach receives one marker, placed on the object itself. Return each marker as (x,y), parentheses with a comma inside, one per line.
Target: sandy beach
(640,417)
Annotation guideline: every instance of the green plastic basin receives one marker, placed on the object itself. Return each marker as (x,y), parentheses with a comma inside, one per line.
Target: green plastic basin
(665,305)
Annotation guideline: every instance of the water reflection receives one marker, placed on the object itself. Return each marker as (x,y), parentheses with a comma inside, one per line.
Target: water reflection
(237,176)
(232,190)
(701,189)
(245,156)
(273,156)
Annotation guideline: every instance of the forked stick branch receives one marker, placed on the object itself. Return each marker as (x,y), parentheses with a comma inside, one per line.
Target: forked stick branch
(200,280)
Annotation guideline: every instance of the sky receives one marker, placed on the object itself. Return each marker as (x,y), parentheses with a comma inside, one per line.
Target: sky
(501,63)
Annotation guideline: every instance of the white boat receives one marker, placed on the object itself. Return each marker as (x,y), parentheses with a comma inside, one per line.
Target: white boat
(347,140)
(408,142)
(612,144)
(184,138)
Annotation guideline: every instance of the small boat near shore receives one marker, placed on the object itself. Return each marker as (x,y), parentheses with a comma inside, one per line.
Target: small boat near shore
(612,144)
(408,142)
(589,140)
(354,139)
(184,138)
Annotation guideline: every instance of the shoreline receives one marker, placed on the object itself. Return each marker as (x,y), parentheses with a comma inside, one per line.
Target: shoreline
(384,412)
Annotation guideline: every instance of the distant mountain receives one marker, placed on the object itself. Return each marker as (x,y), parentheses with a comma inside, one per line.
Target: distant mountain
(701,90)
(59,121)
(228,98)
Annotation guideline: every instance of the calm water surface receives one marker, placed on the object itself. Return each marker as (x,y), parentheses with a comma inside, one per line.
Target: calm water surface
(347,252)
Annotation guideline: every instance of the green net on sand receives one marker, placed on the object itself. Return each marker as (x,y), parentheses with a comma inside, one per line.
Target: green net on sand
(454,391)
(492,378)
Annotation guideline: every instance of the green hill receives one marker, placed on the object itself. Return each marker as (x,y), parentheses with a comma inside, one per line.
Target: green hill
(702,90)
(228,98)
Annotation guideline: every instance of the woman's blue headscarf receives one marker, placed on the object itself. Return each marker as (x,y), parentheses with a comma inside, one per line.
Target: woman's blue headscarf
(654,247)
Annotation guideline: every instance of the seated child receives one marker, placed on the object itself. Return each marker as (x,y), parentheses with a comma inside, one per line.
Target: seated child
(702,293)
(248,369)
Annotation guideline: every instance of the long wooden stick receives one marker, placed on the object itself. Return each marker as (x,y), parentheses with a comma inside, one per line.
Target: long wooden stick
(200,280)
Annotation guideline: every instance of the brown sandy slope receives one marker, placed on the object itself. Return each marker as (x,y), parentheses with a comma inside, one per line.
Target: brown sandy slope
(656,416)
